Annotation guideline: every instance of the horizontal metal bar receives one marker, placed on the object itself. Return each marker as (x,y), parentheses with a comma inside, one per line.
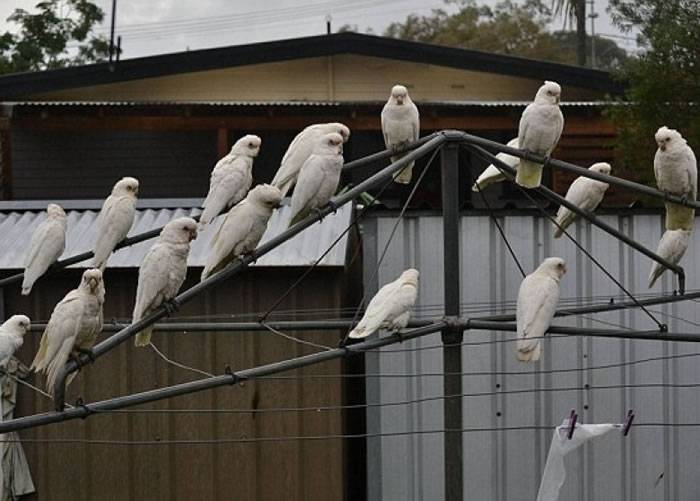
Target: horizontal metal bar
(558,199)
(581,171)
(86,410)
(654,335)
(601,308)
(284,325)
(381,155)
(240,264)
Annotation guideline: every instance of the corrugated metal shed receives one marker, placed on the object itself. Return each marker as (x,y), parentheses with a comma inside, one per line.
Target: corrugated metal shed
(17,228)
(653,463)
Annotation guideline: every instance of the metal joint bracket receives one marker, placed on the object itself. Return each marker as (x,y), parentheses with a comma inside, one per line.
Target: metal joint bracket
(88,412)
(234,377)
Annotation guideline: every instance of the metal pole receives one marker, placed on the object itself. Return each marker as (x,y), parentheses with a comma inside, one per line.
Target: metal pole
(230,378)
(285,325)
(558,199)
(237,266)
(111,31)
(452,333)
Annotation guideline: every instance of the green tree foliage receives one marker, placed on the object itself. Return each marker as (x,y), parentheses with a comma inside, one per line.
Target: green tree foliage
(663,82)
(507,28)
(58,34)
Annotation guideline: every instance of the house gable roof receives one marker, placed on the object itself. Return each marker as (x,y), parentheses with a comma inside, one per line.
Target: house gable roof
(24,85)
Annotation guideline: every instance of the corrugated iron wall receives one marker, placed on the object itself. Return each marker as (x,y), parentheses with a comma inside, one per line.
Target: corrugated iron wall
(295,470)
(653,463)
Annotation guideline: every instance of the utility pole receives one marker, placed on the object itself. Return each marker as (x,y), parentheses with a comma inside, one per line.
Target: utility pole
(452,334)
(593,15)
(112,47)
(329,18)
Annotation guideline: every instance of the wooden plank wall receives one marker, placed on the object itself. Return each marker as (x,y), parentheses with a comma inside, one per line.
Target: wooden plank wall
(293,470)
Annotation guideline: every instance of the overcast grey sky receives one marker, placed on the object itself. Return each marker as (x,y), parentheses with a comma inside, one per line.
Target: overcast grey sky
(160,26)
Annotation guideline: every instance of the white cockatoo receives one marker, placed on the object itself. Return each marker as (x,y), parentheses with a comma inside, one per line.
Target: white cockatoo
(400,126)
(492,174)
(319,177)
(47,244)
(540,128)
(115,219)
(163,271)
(585,193)
(12,336)
(390,307)
(537,301)
(672,246)
(676,171)
(300,149)
(73,327)
(231,178)
(242,228)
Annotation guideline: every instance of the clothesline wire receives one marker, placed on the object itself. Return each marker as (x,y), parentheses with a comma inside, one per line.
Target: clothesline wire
(340,436)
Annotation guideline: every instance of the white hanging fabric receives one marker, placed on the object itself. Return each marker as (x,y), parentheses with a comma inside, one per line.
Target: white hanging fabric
(554,471)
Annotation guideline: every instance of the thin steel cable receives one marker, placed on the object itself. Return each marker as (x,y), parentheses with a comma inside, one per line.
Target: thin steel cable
(294,339)
(401,403)
(391,237)
(662,327)
(218,441)
(178,364)
(32,387)
(500,230)
(484,373)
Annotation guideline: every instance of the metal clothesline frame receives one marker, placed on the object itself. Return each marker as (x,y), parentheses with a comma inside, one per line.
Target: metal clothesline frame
(451,326)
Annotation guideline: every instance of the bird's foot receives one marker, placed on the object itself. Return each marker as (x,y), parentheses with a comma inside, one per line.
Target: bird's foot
(319,213)
(333,206)
(171,306)
(87,352)
(684,199)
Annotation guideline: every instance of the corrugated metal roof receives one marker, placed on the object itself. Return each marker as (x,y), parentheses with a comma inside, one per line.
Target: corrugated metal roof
(17,227)
(296,103)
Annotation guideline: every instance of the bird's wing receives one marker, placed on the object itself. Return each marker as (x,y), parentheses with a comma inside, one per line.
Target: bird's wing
(378,309)
(61,331)
(154,277)
(225,187)
(47,244)
(311,177)
(116,218)
(297,152)
(385,126)
(237,225)
(415,121)
(537,303)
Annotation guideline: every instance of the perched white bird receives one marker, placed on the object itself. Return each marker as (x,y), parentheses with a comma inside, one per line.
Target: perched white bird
(540,128)
(12,336)
(672,246)
(390,307)
(585,193)
(73,327)
(492,174)
(300,149)
(231,178)
(319,177)
(47,245)
(676,171)
(537,301)
(400,126)
(115,219)
(162,271)
(242,228)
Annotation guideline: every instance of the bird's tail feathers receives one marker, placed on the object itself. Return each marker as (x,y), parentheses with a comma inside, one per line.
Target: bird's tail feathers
(358,333)
(56,364)
(563,222)
(656,271)
(404,175)
(679,217)
(143,338)
(529,350)
(529,174)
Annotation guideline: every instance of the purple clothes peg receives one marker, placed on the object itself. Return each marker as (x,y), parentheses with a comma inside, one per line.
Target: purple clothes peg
(572,423)
(628,422)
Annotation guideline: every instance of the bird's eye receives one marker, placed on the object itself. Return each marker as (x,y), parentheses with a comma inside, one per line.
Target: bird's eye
(250,145)
(667,139)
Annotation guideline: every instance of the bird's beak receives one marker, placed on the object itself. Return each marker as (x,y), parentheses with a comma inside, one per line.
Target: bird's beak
(662,146)
(399,100)
(193,234)
(557,99)
(92,283)
(565,269)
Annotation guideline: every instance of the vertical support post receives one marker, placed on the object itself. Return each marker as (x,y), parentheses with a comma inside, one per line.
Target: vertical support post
(111,32)
(222,142)
(452,334)
(6,163)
